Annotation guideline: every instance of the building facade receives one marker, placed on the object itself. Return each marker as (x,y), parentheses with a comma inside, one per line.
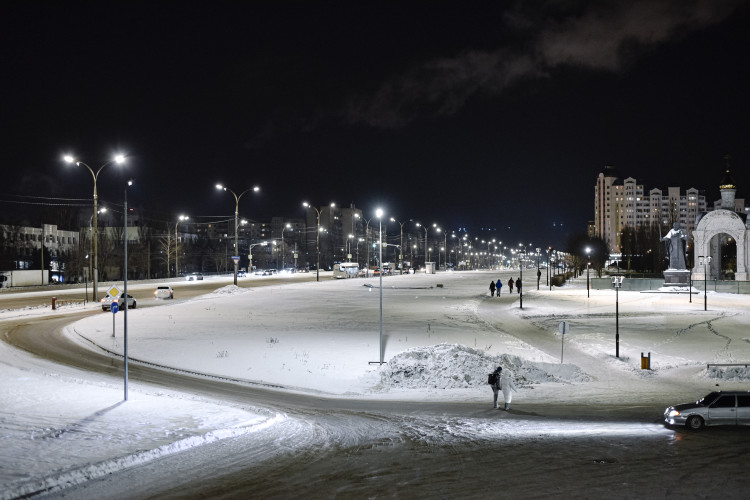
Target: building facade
(621,204)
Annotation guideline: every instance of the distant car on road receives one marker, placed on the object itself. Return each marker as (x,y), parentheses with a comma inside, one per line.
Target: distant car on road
(716,408)
(194,277)
(269,272)
(241,274)
(107,302)
(163,292)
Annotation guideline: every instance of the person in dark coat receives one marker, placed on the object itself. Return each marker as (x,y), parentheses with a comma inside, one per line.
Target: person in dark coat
(492,288)
(518,285)
(510,285)
(497,385)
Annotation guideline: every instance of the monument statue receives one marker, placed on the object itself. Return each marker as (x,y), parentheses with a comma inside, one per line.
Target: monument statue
(675,248)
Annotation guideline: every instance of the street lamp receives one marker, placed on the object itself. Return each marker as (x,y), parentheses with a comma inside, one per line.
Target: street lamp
(119,159)
(236,221)
(283,253)
(317,236)
(125,311)
(176,252)
(617,284)
(250,253)
(521,255)
(400,248)
(538,272)
(705,261)
(379,215)
(91,243)
(588,264)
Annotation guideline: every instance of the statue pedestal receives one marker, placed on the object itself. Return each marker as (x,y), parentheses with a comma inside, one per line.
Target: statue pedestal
(676,277)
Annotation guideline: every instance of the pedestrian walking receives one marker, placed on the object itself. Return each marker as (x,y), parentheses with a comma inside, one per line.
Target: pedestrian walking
(510,285)
(495,385)
(492,288)
(498,286)
(507,386)
(518,285)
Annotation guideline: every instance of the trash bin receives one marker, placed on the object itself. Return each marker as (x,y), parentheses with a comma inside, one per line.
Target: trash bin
(646,362)
(54,299)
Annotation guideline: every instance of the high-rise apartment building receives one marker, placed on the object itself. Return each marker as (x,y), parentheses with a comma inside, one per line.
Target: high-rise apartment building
(620,204)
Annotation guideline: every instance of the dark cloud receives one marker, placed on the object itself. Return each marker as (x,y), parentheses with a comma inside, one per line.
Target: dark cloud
(606,36)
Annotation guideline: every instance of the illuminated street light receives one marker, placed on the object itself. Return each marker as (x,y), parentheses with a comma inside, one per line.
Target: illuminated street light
(283,253)
(176,252)
(119,159)
(317,235)
(588,264)
(401,246)
(705,261)
(617,284)
(125,292)
(236,222)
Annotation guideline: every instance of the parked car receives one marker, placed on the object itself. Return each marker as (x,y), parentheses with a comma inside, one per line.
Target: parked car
(241,274)
(716,408)
(107,302)
(269,272)
(259,272)
(194,277)
(163,292)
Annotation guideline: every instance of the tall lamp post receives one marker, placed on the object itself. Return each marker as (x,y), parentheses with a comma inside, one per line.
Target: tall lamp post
(538,272)
(617,284)
(588,264)
(521,255)
(176,240)
(283,253)
(236,221)
(91,232)
(125,311)
(705,261)
(379,215)
(400,248)
(119,159)
(317,236)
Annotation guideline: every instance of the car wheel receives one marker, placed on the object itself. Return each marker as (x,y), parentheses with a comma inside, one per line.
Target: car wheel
(134,304)
(104,309)
(694,423)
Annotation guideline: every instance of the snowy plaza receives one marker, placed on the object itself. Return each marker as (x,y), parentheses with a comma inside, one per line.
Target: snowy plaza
(441,335)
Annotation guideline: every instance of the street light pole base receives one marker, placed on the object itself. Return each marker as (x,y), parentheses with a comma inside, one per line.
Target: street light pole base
(376,363)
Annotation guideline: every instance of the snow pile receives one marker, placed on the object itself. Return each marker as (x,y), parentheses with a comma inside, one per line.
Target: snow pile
(455,366)
(737,373)
(229,290)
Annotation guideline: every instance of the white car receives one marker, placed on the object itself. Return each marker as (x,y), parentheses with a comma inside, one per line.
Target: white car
(716,408)
(107,302)
(163,292)
(194,277)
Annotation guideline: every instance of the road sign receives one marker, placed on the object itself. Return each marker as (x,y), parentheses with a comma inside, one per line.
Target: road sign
(236,258)
(114,307)
(114,292)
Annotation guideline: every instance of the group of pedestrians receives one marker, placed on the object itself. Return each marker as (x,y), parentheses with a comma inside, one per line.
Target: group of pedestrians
(497,286)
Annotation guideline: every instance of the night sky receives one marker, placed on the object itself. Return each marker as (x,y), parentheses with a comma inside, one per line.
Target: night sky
(473,115)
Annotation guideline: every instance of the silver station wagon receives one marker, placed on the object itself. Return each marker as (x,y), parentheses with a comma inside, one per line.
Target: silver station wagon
(716,408)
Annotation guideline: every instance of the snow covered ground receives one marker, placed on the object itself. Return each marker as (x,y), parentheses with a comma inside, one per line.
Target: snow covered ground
(441,335)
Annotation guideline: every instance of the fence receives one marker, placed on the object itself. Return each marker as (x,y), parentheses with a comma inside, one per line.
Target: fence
(644,284)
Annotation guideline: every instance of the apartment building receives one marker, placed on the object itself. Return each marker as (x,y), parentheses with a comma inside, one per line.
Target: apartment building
(623,203)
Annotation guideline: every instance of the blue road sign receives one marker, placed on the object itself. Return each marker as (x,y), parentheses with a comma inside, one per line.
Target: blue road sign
(114,307)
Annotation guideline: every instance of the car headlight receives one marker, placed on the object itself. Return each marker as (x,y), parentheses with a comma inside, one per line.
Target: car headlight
(673,413)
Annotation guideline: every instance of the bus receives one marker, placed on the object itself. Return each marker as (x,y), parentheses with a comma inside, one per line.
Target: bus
(345,270)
